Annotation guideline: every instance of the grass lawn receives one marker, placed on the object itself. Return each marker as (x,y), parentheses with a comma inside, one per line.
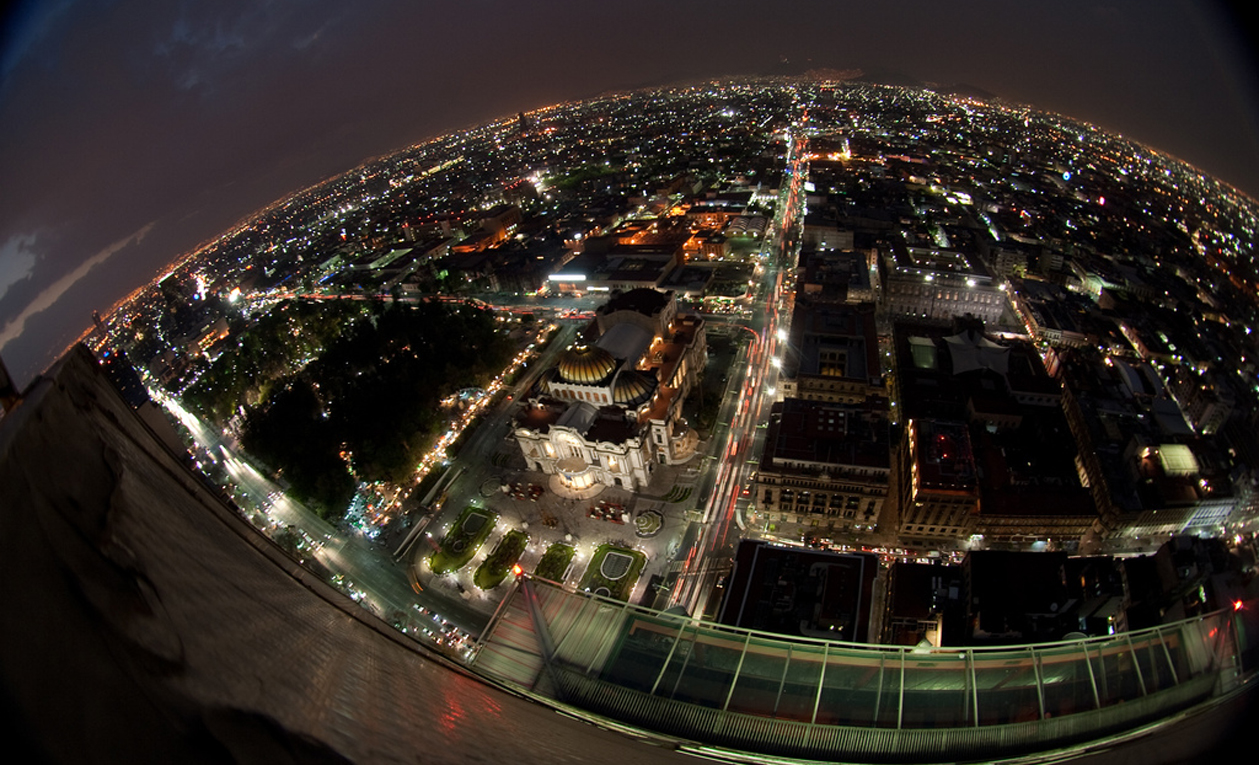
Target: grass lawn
(465,537)
(494,568)
(619,574)
(554,562)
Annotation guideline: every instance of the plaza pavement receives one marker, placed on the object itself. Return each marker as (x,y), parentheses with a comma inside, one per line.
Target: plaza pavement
(559,515)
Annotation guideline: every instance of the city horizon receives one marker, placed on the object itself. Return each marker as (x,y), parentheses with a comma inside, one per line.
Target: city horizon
(747,414)
(149,153)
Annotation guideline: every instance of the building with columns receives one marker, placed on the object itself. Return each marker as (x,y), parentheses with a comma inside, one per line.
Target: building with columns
(611,410)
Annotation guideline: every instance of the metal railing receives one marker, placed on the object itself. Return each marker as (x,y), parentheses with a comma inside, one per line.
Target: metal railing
(800,697)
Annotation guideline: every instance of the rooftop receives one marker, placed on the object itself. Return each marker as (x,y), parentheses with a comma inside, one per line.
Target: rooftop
(648,302)
(820,436)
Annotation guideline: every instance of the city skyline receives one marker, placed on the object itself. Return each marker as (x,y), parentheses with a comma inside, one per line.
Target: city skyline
(566,397)
(135,132)
(1098,259)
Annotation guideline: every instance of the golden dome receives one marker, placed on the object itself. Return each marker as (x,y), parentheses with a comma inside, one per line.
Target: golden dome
(632,388)
(586,365)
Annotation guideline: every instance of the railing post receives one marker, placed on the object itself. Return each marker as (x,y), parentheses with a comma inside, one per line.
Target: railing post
(677,680)
(974,683)
(579,620)
(1040,685)
(1101,660)
(1233,619)
(1219,647)
(821,681)
(900,707)
(613,623)
(668,658)
(1136,665)
(737,669)
(542,634)
(878,695)
(1097,699)
(1171,665)
(503,605)
(782,681)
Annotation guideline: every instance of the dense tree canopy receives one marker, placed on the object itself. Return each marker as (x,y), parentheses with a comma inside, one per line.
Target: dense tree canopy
(273,347)
(373,394)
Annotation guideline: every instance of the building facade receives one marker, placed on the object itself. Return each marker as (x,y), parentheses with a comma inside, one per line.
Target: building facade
(825,466)
(939,491)
(939,285)
(610,411)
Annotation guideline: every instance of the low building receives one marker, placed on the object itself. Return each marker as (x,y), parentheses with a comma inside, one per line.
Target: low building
(821,232)
(939,285)
(1187,576)
(1205,399)
(1029,486)
(833,355)
(824,466)
(791,591)
(1024,483)
(922,601)
(1017,597)
(835,277)
(1150,474)
(938,485)
(606,265)
(1052,314)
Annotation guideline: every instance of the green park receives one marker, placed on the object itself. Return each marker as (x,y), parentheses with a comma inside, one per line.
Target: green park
(613,571)
(554,562)
(494,568)
(466,535)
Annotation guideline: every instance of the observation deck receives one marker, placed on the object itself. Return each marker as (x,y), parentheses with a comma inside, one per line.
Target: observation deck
(800,698)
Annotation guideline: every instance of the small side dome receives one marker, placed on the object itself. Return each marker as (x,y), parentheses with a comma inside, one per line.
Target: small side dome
(545,380)
(586,365)
(632,388)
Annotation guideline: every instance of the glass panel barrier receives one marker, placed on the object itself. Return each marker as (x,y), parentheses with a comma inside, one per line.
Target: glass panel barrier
(761,677)
(937,691)
(1067,684)
(850,689)
(1148,651)
(888,706)
(710,669)
(1116,673)
(1205,641)
(711,680)
(800,688)
(641,652)
(1006,686)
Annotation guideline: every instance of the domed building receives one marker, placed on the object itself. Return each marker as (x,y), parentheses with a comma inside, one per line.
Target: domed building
(586,364)
(609,411)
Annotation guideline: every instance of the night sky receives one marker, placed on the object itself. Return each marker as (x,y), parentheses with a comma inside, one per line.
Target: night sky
(132,130)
